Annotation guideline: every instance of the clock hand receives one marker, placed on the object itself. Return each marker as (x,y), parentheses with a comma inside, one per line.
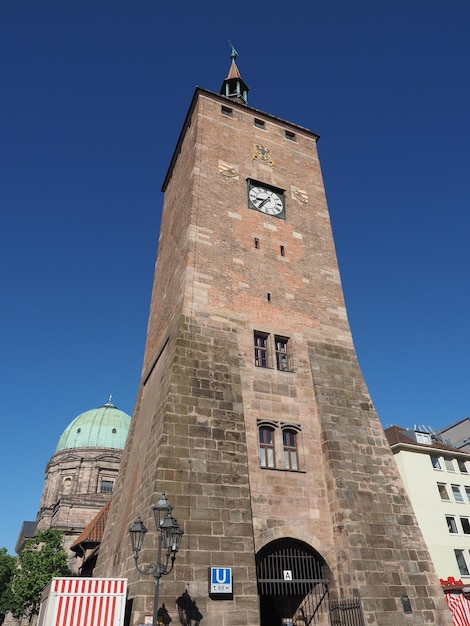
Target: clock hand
(263,202)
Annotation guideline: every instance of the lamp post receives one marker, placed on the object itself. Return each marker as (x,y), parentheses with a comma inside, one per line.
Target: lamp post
(169,535)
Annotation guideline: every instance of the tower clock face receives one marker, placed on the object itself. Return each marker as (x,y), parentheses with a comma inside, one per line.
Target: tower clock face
(265,199)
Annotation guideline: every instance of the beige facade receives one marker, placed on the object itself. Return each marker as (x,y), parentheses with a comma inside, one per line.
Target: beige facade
(79,482)
(437,481)
(252,413)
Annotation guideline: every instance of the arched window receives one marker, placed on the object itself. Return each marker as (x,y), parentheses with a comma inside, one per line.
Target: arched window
(266,446)
(289,441)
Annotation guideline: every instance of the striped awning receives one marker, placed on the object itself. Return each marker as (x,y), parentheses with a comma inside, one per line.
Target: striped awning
(460,608)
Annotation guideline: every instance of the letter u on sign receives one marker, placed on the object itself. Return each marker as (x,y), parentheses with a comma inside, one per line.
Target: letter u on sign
(222,575)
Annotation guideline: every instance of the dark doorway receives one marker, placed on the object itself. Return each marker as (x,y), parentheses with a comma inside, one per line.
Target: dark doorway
(291,583)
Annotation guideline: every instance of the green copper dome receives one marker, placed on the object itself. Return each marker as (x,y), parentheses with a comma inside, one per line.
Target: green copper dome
(104,427)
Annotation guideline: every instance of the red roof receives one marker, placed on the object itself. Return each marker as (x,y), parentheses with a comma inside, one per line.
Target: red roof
(93,533)
(233,71)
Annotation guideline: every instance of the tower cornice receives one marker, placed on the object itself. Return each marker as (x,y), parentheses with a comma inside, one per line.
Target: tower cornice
(233,104)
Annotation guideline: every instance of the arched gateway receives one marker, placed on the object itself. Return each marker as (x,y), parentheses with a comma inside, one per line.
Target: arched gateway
(292,583)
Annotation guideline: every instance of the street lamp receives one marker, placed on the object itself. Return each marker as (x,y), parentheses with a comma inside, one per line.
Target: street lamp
(169,540)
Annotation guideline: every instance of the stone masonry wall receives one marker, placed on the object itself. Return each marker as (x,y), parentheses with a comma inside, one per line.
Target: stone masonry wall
(380,551)
(198,457)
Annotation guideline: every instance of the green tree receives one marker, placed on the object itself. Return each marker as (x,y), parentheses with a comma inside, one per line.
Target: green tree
(42,559)
(7,570)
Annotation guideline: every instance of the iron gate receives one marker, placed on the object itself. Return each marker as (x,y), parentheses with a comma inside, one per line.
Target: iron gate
(292,586)
(291,574)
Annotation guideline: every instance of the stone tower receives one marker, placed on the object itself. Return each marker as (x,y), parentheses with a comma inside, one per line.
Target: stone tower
(252,413)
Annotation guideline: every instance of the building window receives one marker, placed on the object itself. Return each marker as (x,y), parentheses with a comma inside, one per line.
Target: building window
(465,525)
(257,243)
(278,445)
(226,111)
(443,491)
(467,493)
(107,486)
(270,349)
(280,345)
(462,466)
(289,441)
(457,493)
(435,462)
(266,446)
(449,463)
(423,438)
(461,562)
(282,251)
(258,123)
(451,525)
(261,349)
(290,135)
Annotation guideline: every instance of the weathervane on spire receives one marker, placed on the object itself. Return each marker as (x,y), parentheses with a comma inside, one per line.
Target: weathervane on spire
(234,54)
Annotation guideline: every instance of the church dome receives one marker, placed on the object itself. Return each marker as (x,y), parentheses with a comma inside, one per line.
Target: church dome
(104,427)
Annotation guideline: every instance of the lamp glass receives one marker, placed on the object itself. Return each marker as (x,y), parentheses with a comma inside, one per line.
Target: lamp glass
(171,534)
(177,537)
(137,533)
(161,510)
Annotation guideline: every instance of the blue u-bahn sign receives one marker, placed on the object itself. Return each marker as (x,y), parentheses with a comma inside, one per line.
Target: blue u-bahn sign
(221,580)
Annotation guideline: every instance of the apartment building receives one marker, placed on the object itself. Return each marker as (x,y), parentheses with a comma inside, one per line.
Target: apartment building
(437,480)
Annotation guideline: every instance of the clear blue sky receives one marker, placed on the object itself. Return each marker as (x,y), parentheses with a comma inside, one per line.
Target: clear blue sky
(94,93)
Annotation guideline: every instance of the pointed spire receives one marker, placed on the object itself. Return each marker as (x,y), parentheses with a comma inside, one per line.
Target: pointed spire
(233,86)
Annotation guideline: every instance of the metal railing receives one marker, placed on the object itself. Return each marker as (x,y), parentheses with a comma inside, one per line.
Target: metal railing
(346,612)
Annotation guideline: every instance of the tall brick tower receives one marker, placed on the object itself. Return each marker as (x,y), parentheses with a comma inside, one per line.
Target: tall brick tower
(252,413)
